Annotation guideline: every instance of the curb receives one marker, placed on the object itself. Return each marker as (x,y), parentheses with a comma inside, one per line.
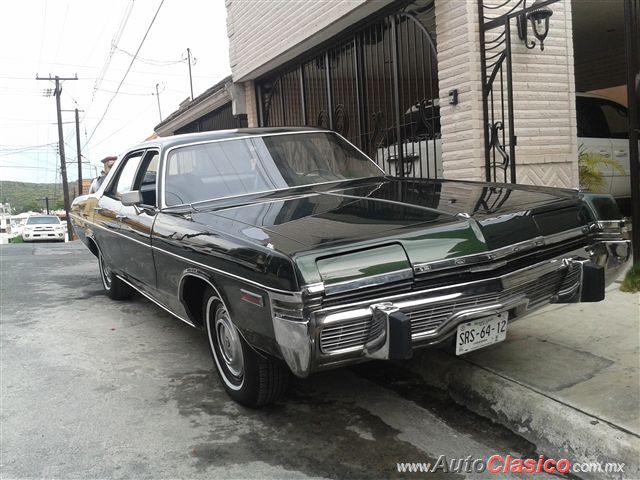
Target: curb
(558,430)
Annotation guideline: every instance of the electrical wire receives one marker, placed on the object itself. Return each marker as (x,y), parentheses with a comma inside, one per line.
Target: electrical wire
(125,74)
(114,44)
(151,61)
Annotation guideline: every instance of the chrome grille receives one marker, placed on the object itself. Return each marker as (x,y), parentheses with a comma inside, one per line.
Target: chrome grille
(426,319)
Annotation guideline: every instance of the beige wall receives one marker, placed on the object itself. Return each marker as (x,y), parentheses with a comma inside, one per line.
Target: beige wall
(544,98)
(264,34)
(459,68)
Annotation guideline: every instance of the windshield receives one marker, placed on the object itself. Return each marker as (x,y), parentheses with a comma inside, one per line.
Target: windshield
(260,164)
(43,220)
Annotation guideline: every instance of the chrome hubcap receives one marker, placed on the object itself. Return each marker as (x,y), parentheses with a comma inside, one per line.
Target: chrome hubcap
(229,343)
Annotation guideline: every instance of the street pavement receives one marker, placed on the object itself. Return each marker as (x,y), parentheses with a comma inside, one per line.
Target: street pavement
(93,388)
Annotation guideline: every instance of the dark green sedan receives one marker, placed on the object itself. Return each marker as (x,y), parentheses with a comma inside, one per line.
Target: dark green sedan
(295,253)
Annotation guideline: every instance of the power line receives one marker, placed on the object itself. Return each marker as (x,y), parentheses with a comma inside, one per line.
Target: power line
(125,74)
(152,61)
(114,44)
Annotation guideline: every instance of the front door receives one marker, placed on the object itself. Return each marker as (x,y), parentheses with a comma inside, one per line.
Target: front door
(108,208)
(136,223)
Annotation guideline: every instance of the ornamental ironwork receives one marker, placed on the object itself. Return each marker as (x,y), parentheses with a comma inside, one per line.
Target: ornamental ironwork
(376,86)
(497,90)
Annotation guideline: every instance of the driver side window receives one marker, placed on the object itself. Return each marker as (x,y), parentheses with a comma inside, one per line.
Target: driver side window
(126,176)
(146,178)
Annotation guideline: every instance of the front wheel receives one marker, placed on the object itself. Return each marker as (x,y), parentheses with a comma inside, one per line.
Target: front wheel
(115,288)
(249,377)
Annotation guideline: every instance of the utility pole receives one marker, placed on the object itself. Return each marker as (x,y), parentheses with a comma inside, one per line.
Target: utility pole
(46,201)
(63,165)
(158,97)
(190,78)
(78,151)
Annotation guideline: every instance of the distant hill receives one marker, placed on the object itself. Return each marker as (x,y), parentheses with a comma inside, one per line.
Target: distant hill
(26,196)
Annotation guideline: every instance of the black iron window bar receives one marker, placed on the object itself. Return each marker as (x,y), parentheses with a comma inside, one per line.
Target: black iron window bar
(376,86)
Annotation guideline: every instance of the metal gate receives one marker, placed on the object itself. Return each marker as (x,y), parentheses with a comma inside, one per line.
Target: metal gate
(497,90)
(377,86)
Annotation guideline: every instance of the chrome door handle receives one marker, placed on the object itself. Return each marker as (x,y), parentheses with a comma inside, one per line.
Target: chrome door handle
(621,153)
(97,209)
(121,217)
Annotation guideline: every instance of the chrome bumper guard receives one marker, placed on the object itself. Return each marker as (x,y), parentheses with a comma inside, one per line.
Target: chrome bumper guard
(393,326)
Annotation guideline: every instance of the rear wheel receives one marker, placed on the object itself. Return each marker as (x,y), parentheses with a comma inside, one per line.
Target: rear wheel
(116,289)
(250,378)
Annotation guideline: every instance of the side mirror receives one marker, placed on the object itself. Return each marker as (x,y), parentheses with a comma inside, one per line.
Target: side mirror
(132,198)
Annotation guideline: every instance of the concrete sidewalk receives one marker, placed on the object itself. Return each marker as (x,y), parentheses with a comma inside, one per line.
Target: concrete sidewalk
(567,379)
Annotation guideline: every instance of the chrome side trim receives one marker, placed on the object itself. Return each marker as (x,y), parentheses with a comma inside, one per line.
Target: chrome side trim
(149,297)
(110,231)
(500,253)
(296,345)
(226,274)
(314,288)
(366,282)
(193,262)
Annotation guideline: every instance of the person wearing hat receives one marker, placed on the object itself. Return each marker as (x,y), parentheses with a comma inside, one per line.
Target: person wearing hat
(108,163)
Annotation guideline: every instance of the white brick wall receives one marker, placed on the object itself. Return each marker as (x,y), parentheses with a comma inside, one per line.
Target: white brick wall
(263,31)
(545,105)
(544,98)
(459,67)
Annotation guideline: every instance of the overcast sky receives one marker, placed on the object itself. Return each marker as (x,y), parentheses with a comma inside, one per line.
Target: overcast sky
(97,40)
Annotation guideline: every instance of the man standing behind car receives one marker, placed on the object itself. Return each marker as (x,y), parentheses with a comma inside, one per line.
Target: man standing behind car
(108,163)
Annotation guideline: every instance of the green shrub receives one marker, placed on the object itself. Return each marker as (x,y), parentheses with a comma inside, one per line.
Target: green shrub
(590,173)
(631,281)
(17,239)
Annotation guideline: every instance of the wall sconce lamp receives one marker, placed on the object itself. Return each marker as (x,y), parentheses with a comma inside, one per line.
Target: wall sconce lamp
(539,18)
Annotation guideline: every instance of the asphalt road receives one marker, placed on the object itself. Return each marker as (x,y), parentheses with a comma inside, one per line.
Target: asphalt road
(93,388)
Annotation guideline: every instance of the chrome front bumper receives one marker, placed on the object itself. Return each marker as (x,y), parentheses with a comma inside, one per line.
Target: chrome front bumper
(350,333)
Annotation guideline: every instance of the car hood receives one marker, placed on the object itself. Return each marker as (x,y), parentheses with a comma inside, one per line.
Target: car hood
(430,220)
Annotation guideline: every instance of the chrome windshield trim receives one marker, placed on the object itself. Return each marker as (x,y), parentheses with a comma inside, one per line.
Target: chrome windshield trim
(164,206)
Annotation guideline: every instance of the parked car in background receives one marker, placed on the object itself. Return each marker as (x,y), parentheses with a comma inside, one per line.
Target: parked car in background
(43,227)
(602,129)
(295,253)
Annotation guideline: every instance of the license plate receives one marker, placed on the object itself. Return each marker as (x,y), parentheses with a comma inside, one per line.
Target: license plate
(480,333)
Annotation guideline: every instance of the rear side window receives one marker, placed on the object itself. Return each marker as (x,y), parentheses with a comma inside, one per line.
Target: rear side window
(617,119)
(591,121)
